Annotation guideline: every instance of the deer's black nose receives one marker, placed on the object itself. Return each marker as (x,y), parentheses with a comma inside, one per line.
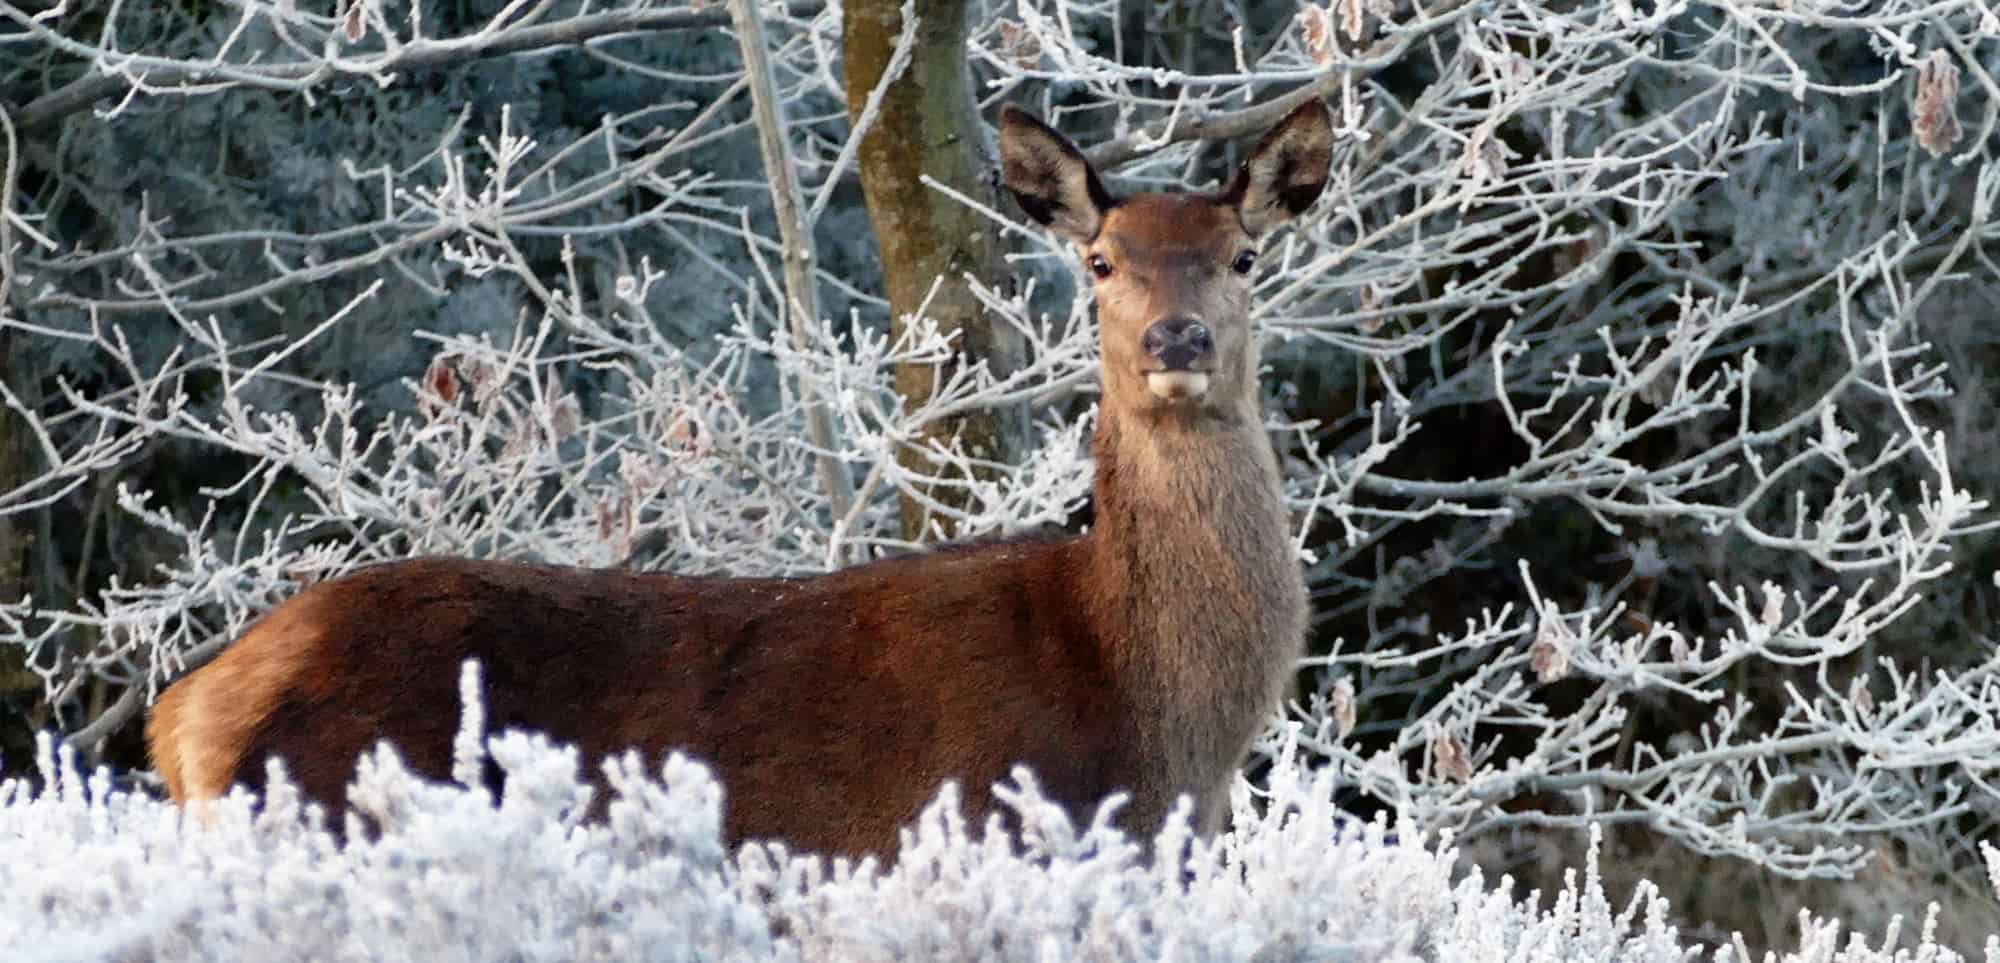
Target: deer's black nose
(1177,343)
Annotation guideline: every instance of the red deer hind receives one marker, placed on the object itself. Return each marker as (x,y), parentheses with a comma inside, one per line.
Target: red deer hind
(1140,657)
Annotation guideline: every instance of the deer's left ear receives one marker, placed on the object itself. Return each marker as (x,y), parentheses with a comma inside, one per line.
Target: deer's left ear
(1286,171)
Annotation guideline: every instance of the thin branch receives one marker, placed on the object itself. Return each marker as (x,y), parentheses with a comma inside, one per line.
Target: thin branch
(1183,127)
(788,203)
(80,93)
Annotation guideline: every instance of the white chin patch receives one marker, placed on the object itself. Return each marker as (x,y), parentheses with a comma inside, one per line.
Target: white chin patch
(1176,385)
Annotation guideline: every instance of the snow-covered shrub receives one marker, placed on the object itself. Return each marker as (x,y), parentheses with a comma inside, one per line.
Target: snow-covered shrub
(452,872)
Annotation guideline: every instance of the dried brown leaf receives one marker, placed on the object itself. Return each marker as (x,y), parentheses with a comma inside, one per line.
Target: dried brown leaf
(1019,45)
(354,24)
(1549,655)
(1341,702)
(1934,107)
(1316,32)
(1450,758)
(1351,12)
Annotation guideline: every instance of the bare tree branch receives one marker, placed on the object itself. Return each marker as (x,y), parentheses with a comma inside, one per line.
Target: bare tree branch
(788,202)
(81,93)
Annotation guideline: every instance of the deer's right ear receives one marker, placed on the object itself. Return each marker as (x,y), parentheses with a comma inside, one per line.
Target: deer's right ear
(1050,178)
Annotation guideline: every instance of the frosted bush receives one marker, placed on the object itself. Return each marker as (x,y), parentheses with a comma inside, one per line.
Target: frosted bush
(455,872)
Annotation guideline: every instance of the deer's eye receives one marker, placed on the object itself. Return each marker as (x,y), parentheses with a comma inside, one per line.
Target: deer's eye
(1099,266)
(1244,262)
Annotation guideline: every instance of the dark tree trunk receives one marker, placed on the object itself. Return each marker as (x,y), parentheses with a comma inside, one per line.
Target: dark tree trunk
(928,124)
(20,689)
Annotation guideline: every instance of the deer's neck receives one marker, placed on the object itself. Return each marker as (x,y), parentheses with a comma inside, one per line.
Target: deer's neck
(1197,587)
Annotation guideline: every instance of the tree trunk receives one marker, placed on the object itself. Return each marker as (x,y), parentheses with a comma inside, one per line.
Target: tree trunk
(15,530)
(928,124)
(18,686)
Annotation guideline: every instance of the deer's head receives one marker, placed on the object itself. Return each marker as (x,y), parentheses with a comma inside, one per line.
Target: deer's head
(1172,272)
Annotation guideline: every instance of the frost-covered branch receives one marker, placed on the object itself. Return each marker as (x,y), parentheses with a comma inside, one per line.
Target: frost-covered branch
(318,42)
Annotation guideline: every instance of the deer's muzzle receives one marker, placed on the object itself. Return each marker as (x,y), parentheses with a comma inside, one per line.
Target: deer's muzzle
(1181,349)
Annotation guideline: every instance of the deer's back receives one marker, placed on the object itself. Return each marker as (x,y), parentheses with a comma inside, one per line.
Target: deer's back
(831,707)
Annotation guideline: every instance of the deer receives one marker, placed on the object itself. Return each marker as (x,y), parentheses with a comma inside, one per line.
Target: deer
(1141,656)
